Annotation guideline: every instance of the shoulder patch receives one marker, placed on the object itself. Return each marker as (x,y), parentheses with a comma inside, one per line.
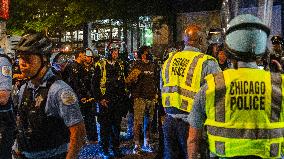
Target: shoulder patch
(68,97)
(7,71)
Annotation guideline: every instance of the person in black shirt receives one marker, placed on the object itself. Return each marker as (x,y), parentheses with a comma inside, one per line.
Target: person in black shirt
(84,77)
(112,104)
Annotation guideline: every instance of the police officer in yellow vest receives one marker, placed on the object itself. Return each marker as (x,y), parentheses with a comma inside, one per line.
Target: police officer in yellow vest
(242,108)
(112,103)
(182,76)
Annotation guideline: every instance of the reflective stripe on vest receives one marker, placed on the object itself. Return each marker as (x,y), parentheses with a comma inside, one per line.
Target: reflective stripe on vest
(276,100)
(181,91)
(103,70)
(245,127)
(220,97)
(181,76)
(103,79)
(246,133)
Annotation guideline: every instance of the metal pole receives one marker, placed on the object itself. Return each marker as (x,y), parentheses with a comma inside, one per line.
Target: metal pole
(282,17)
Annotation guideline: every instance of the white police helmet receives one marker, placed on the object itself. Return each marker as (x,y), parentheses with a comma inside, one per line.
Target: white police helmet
(246,37)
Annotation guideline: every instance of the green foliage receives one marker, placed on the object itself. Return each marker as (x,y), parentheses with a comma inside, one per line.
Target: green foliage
(63,15)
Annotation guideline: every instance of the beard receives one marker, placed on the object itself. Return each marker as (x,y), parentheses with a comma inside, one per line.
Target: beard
(27,73)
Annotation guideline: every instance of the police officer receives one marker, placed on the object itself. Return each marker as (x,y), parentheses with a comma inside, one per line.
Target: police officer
(277,45)
(241,107)
(84,77)
(7,122)
(112,103)
(182,76)
(89,93)
(277,54)
(72,72)
(49,114)
(214,39)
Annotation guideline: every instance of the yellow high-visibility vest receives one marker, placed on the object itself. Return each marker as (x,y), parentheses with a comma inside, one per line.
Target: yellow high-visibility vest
(98,64)
(245,113)
(181,74)
(103,70)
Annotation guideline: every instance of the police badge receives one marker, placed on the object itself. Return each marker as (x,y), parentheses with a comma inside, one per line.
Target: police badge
(7,71)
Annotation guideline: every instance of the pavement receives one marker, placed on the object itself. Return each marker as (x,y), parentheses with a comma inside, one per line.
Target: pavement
(93,151)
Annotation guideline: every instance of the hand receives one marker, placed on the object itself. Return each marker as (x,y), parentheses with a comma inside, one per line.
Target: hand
(156,98)
(19,76)
(104,102)
(133,76)
(162,119)
(84,100)
(278,65)
(4,97)
(103,85)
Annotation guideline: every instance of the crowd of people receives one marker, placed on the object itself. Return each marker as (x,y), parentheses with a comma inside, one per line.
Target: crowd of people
(207,104)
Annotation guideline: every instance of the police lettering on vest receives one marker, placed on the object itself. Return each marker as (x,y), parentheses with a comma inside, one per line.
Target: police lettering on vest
(181,76)
(247,95)
(179,66)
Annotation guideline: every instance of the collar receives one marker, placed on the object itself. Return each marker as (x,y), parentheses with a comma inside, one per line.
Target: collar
(190,48)
(242,64)
(45,78)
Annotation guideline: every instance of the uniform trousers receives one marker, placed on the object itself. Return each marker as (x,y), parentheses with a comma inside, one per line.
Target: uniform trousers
(175,138)
(7,130)
(109,128)
(89,114)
